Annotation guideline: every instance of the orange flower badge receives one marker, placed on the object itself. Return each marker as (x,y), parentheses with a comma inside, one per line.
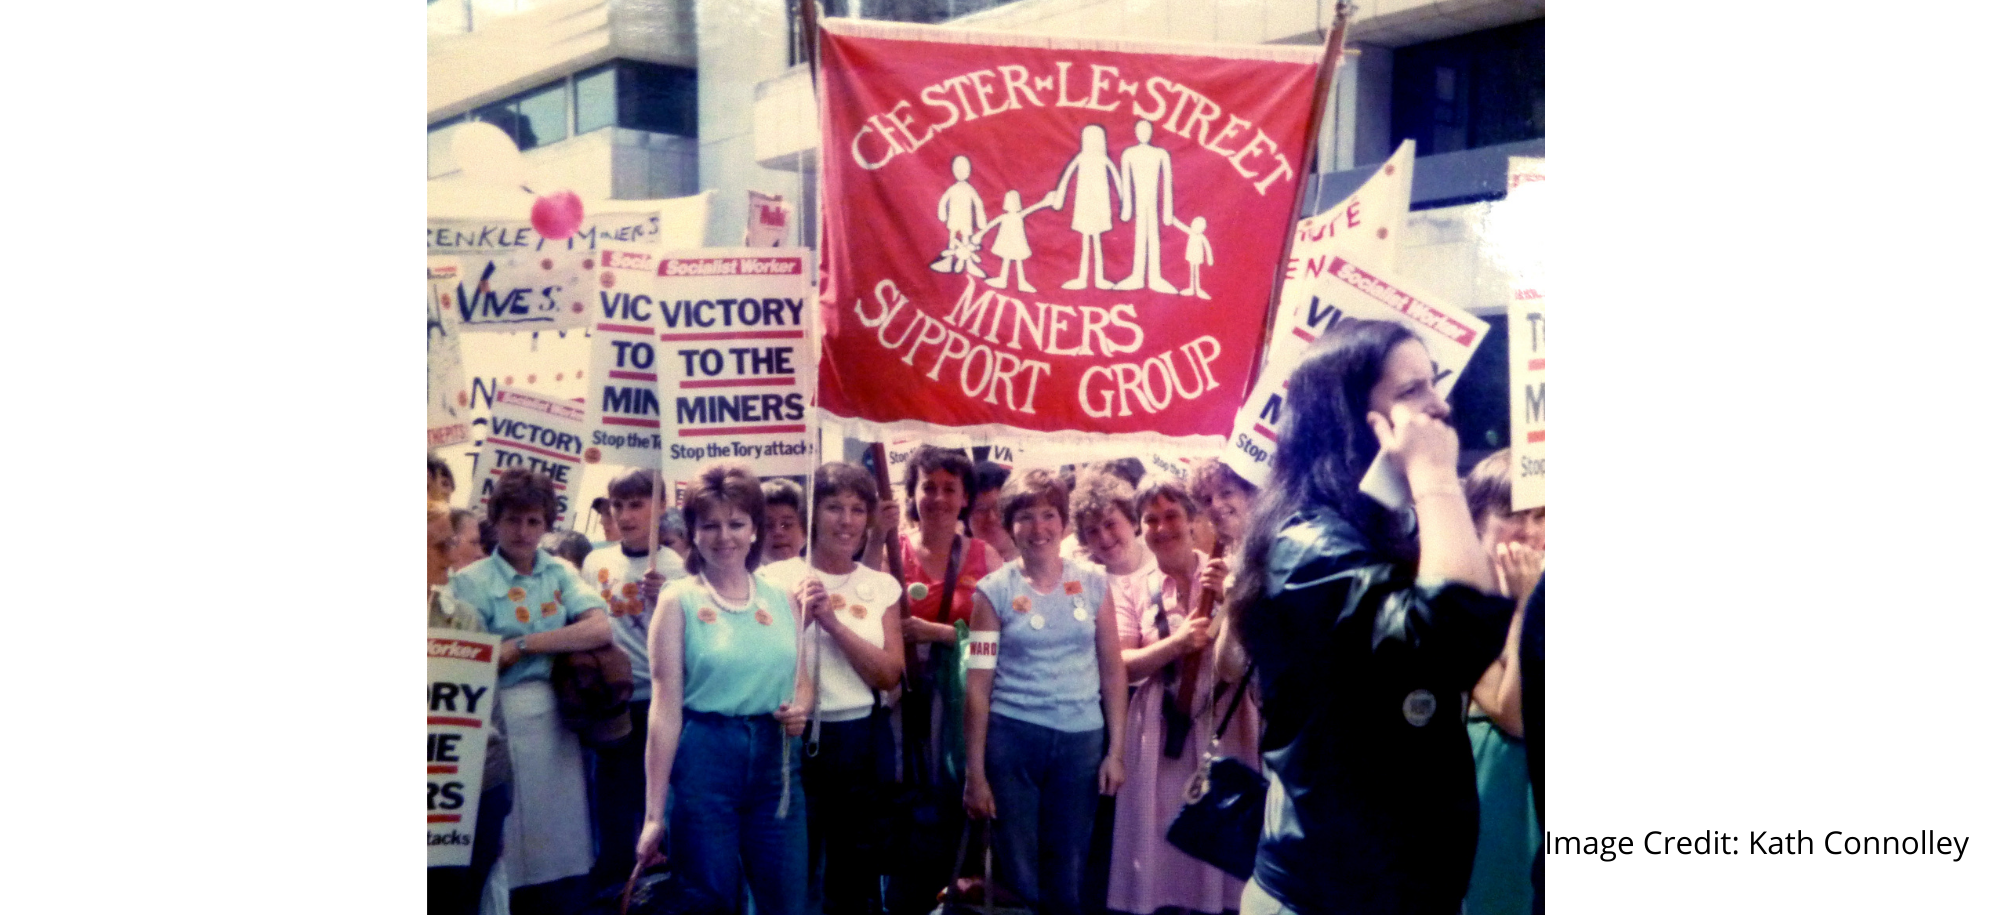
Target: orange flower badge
(516,594)
(858,612)
(606,592)
(1021,603)
(603,576)
(763,616)
(549,609)
(705,614)
(836,601)
(630,590)
(521,613)
(1072,587)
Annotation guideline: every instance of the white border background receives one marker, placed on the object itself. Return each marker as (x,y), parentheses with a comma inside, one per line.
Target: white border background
(1772,605)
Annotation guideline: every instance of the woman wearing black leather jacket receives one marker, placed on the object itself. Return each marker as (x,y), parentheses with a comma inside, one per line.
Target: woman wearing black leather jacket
(1366,626)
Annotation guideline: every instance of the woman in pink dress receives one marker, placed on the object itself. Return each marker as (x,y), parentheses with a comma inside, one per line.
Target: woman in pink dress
(1164,640)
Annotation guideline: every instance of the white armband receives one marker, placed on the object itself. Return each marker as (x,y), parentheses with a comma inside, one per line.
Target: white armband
(983,650)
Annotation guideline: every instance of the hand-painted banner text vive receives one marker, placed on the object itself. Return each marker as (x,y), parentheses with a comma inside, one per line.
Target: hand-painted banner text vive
(1055,235)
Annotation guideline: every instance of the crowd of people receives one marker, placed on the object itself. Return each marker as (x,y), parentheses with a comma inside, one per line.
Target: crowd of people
(835,688)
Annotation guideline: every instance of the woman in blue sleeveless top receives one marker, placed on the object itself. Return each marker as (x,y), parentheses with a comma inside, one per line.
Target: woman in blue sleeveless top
(1044,701)
(729,702)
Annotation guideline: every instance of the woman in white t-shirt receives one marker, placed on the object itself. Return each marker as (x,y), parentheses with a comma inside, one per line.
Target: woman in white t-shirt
(858,643)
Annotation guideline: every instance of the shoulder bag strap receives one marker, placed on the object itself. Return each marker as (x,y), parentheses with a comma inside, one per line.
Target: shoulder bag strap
(950,582)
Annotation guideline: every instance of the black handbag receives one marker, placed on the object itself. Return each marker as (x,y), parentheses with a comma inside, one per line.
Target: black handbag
(1224,814)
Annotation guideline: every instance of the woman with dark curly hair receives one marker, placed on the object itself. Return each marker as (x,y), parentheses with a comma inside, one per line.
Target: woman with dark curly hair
(1365,625)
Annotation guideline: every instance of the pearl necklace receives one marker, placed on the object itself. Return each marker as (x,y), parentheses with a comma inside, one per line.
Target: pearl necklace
(720,601)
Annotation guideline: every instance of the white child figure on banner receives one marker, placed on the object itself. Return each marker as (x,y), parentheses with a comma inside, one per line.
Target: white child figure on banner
(1198,253)
(1010,243)
(1096,180)
(963,214)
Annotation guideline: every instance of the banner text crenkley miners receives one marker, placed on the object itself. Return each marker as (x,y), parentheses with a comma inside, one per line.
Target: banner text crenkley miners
(978,339)
(905,128)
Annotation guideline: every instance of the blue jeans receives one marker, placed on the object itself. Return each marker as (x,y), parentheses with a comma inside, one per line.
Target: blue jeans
(1045,798)
(724,822)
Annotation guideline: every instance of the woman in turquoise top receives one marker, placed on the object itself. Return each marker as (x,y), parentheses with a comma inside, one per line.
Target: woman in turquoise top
(1044,701)
(729,702)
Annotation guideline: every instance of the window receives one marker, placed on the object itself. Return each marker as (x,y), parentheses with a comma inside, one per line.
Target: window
(1469,91)
(544,115)
(596,98)
(655,98)
(623,93)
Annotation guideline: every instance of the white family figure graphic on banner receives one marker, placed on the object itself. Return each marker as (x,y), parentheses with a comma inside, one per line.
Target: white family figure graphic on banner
(963,214)
(1147,176)
(1143,183)
(1010,244)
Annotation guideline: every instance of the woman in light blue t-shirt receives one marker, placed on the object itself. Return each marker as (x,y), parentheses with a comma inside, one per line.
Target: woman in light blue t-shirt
(1045,701)
(729,703)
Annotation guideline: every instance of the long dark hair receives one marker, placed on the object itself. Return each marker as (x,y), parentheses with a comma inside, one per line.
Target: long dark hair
(1324,447)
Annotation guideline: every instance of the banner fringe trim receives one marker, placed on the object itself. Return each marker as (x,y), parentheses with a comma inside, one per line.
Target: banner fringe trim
(904,31)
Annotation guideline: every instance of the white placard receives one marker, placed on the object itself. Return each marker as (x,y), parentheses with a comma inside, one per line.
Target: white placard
(622,405)
(738,360)
(1349,291)
(463,666)
(532,430)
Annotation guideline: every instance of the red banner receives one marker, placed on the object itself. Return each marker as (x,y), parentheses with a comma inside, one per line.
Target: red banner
(1050,234)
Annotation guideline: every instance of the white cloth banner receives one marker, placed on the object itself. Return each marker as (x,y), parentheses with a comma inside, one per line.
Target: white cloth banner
(450,411)
(531,430)
(463,666)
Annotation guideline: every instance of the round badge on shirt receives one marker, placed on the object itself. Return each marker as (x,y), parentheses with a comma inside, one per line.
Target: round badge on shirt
(1418,707)
(763,616)
(1037,621)
(1081,614)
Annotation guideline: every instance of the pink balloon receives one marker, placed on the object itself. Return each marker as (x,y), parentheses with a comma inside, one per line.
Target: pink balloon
(557,216)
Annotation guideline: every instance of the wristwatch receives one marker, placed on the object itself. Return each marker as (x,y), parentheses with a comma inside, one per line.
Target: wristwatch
(521,645)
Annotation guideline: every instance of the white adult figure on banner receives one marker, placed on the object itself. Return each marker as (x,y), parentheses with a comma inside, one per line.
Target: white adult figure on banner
(963,214)
(1147,174)
(1090,218)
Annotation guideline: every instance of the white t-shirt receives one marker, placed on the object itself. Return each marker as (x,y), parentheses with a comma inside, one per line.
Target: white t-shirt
(617,578)
(861,599)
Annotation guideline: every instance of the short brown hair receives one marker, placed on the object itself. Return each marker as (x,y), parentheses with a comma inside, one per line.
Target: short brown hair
(1489,487)
(521,489)
(717,485)
(1099,490)
(1159,484)
(1209,476)
(1025,488)
(929,458)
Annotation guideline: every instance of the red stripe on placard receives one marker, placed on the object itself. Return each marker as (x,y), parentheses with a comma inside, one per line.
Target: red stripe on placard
(743,430)
(444,818)
(740,383)
(443,770)
(739,335)
(541,451)
(628,421)
(626,328)
(453,720)
(1534,365)
(634,376)
(1536,435)
(1300,333)
(461,650)
(1273,436)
